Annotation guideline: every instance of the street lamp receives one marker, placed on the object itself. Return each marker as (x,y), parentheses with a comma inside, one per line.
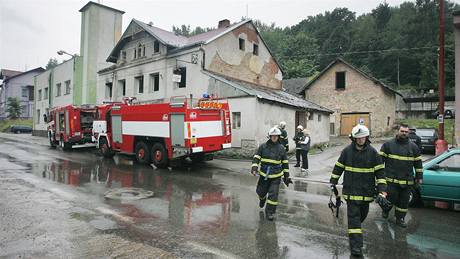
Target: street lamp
(62,52)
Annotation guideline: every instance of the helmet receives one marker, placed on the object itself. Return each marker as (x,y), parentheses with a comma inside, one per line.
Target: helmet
(274,132)
(300,127)
(282,124)
(360,131)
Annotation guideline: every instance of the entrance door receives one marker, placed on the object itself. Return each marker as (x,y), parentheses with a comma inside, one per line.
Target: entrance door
(348,121)
(177,130)
(300,118)
(116,129)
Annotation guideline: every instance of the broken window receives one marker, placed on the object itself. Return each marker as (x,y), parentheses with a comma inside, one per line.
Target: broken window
(58,89)
(339,80)
(255,50)
(242,43)
(108,90)
(123,55)
(156,46)
(122,87)
(236,120)
(154,82)
(140,84)
(310,116)
(67,87)
(182,71)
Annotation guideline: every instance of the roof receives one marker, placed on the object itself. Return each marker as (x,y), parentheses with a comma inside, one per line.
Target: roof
(273,95)
(295,85)
(373,79)
(38,69)
(181,42)
(7,73)
(86,6)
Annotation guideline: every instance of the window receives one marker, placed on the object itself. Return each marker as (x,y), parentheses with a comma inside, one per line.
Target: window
(242,43)
(319,117)
(108,90)
(25,92)
(123,55)
(38,116)
(31,92)
(40,95)
(236,120)
(255,49)
(451,163)
(154,82)
(135,54)
(24,110)
(388,121)
(339,80)
(183,77)
(58,89)
(140,84)
(310,116)
(67,87)
(122,87)
(45,94)
(156,46)
(332,128)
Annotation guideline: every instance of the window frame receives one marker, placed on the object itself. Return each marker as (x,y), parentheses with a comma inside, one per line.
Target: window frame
(138,80)
(242,44)
(58,89)
(255,49)
(236,120)
(337,74)
(67,87)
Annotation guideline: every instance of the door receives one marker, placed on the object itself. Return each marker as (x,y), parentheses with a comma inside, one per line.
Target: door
(67,123)
(300,118)
(348,121)
(116,129)
(177,130)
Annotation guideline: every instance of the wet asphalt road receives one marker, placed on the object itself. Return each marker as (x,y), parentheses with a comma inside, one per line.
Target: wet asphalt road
(52,205)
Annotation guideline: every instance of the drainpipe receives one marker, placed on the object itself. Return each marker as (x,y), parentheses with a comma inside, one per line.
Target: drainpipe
(441,143)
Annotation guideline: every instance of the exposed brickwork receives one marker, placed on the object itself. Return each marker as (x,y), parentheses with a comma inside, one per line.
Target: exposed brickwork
(360,95)
(250,33)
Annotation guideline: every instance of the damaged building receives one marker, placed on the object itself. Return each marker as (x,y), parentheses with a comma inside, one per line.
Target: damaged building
(231,61)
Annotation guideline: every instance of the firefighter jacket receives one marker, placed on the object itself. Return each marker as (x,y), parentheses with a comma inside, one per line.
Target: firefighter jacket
(305,143)
(272,159)
(401,157)
(284,137)
(362,169)
(297,139)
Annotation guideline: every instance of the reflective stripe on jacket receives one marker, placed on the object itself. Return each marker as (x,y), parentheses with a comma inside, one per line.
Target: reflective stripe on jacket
(272,159)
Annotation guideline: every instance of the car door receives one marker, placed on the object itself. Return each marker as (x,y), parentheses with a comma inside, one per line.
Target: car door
(441,180)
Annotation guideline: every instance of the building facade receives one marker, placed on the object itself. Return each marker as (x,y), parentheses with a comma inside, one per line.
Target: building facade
(74,81)
(355,97)
(18,85)
(231,61)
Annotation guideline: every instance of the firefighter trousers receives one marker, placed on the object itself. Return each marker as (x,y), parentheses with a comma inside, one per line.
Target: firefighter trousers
(298,154)
(398,195)
(356,213)
(304,159)
(268,190)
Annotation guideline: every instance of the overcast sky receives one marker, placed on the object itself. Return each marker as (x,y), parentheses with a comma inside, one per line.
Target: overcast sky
(31,31)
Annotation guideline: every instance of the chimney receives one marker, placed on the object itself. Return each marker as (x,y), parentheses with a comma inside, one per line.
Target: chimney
(223,23)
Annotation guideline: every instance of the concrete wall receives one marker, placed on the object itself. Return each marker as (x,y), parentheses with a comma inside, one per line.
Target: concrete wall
(13,88)
(100,31)
(457,74)
(223,56)
(361,95)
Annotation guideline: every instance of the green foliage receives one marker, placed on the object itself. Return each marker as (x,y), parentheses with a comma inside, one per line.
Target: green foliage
(185,30)
(6,124)
(13,107)
(52,62)
(433,123)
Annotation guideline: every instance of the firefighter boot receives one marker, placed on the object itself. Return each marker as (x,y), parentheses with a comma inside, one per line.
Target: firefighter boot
(385,214)
(297,165)
(271,216)
(400,222)
(356,251)
(262,203)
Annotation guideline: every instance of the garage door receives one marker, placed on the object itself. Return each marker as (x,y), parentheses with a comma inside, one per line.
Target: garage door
(348,121)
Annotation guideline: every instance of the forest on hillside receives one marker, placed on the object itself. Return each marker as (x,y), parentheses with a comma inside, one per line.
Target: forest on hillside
(398,45)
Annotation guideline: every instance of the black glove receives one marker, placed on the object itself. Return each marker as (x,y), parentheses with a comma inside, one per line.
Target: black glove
(254,170)
(287,181)
(382,201)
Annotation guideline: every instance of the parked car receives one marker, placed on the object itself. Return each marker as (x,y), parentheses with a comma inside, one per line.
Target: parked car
(441,180)
(429,137)
(20,129)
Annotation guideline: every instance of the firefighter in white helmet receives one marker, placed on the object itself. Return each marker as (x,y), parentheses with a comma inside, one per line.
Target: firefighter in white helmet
(271,163)
(297,138)
(284,136)
(363,169)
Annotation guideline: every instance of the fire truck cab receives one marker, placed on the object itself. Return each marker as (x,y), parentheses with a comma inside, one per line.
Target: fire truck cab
(161,132)
(71,126)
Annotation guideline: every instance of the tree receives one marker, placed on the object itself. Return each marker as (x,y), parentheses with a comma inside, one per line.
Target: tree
(52,62)
(13,107)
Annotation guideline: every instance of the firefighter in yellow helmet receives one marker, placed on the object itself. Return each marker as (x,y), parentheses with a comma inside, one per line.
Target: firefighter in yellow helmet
(362,168)
(270,163)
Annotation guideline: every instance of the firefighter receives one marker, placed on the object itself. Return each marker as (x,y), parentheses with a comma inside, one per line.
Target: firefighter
(305,147)
(415,138)
(298,149)
(362,168)
(273,162)
(284,136)
(401,157)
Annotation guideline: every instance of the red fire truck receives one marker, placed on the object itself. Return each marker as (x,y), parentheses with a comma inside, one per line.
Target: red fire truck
(163,132)
(71,126)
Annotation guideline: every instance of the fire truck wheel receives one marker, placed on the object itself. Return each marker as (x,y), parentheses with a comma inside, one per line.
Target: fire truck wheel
(104,148)
(142,153)
(159,155)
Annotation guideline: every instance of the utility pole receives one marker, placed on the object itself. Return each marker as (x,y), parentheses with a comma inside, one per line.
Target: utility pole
(441,143)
